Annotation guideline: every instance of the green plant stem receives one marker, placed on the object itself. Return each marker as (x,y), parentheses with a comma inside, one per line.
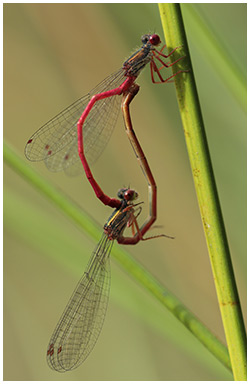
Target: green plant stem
(207,195)
(132,267)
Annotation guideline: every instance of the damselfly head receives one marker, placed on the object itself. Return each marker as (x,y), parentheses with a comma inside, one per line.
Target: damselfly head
(153,39)
(127,194)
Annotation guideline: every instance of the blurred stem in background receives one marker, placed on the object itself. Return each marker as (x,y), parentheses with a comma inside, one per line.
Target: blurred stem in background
(207,193)
(131,266)
(217,53)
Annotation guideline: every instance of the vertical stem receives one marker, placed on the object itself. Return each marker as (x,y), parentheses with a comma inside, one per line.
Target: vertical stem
(207,195)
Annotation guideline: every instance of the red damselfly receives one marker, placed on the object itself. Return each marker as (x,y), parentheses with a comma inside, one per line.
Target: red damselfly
(59,143)
(80,324)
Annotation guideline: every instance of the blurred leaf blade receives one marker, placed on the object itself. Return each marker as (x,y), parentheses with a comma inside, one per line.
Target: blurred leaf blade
(56,65)
(132,267)
(49,239)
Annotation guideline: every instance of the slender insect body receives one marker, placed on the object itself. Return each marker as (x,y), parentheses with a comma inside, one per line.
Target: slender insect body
(55,143)
(135,63)
(84,129)
(118,221)
(81,322)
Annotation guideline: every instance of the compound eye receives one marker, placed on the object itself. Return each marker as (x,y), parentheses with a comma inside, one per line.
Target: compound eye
(155,39)
(130,194)
(144,39)
(120,193)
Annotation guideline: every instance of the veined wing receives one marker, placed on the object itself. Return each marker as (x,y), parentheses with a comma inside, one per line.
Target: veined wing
(80,324)
(56,141)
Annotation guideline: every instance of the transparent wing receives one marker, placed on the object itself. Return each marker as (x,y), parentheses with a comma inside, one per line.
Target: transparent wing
(56,142)
(80,324)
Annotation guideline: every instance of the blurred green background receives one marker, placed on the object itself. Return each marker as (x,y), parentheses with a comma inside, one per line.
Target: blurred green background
(54,54)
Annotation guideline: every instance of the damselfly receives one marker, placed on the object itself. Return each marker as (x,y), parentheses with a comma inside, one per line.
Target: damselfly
(80,324)
(94,116)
